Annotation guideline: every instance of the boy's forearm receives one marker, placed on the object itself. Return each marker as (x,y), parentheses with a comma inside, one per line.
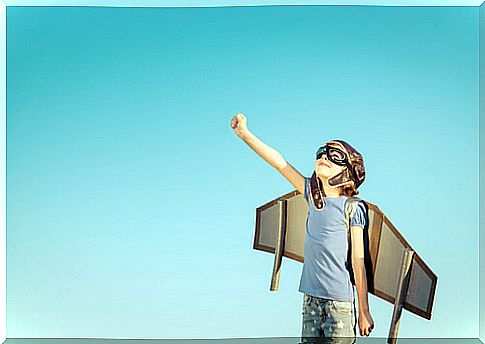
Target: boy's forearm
(263,150)
(361,284)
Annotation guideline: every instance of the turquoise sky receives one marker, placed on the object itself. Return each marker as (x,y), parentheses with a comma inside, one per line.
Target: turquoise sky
(131,203)
(210,3)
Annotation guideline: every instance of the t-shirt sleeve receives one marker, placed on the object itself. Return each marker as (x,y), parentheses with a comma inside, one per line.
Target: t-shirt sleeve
(360,216)
(307,189)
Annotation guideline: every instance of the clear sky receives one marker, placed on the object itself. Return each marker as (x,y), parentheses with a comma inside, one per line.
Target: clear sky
(131,203)
(210,3)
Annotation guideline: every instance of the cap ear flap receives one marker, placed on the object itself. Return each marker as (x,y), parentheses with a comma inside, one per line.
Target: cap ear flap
(340,179)
(317,192)
(359,175)
(356,173)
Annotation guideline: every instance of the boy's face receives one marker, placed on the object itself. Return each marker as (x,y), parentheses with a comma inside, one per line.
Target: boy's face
(326,168)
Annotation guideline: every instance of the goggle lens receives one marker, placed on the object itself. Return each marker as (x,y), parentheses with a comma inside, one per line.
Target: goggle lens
(334,154)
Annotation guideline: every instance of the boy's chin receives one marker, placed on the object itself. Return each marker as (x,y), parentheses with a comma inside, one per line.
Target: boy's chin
(322,171)
(323,175)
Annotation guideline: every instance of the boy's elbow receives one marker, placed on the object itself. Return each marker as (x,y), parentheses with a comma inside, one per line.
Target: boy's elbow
(280,165)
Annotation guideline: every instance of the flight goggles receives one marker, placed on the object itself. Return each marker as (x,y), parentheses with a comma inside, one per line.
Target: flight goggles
(333,154)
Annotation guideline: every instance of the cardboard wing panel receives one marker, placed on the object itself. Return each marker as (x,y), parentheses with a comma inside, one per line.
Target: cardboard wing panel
(383,251)
(267,220)
(388,264)
(297,213)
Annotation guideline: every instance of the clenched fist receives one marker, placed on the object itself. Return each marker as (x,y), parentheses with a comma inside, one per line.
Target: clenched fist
(366,323)
(238,125)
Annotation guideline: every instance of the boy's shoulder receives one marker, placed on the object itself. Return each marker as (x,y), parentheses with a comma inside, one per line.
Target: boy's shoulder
(352,202)
(353,199)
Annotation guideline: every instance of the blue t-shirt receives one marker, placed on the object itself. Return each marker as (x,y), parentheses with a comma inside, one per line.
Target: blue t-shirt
(326,269)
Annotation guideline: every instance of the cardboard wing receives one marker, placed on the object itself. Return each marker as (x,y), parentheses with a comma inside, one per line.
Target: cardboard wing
(281,228)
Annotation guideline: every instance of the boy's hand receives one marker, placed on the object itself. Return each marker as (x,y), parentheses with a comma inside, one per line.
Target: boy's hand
(366,324)
(238,124)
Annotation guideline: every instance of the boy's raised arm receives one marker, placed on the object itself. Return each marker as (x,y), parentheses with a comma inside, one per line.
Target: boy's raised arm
(269,154)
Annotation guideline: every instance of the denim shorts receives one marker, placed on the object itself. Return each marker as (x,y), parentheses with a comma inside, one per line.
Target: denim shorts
(328,321)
